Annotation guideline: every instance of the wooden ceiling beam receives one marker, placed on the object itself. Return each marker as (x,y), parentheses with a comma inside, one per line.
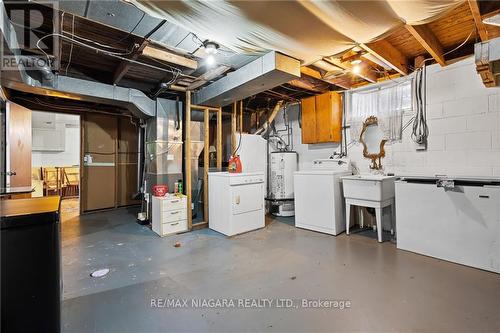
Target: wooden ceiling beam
(424,35)
(169,57)
(478,20)
(307,71)
(385,52)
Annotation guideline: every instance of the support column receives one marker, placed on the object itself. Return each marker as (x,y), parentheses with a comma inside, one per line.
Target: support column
(219,139)
(233,127)
(206,162)
(187,159)
(241,116)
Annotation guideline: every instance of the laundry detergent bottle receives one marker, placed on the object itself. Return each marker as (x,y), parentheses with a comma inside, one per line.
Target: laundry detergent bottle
(235,164)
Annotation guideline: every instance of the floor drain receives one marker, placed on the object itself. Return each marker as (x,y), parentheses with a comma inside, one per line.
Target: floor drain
(100,272)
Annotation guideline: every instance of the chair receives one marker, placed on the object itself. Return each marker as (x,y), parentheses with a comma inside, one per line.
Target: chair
(71,181)
(51,181)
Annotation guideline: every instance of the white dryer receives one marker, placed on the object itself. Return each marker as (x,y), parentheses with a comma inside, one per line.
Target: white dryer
(319,202)
(236,202)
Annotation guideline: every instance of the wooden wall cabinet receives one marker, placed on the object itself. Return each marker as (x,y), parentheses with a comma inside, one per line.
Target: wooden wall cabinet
(322,118)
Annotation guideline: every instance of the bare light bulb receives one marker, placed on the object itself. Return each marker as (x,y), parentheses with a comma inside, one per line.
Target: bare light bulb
(210,60)
(356,69)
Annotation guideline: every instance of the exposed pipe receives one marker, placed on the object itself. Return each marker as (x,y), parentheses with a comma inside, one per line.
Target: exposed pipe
(270,119)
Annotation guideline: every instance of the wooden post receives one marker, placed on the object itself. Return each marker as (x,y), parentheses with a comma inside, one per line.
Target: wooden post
(241,116)
(187,159)
(206,162)
(219,139)
(233,127)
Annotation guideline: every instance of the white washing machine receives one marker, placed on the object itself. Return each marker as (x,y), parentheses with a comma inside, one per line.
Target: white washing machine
(319,200)
(236,202)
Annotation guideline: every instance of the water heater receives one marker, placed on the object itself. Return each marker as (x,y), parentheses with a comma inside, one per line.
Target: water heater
(282,166)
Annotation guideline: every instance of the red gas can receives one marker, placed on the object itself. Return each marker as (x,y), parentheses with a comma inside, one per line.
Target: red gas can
(235,164)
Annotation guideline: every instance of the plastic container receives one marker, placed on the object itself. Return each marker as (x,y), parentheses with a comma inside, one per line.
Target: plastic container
(160,190)
(235,164)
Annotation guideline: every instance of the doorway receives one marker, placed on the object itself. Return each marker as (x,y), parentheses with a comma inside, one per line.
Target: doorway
(55,159)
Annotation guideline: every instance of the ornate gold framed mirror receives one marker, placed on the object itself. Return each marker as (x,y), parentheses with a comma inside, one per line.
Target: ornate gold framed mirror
(373,142)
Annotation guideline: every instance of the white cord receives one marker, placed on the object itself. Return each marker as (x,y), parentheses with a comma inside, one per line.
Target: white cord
(172,70)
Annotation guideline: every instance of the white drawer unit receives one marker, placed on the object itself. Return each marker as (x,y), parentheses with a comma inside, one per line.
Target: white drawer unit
(169,215)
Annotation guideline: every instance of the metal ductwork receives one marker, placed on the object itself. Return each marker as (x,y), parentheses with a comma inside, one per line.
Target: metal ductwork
(266,72)
(133,100)
(487,57)
(26,79)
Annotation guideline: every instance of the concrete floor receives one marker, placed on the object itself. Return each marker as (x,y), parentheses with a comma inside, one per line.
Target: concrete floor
(389,290)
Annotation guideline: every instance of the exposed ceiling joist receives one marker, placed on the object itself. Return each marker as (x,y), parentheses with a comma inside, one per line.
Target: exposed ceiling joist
(429,41)
(169,57)
(476,14)
(306,85)
(384,51)
(363,73)
(341,82)
(124,65)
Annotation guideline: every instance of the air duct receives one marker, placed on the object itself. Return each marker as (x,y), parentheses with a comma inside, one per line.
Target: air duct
(266,72)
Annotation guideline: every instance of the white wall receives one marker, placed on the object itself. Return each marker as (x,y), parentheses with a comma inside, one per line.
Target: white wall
(71,154)
(464,124)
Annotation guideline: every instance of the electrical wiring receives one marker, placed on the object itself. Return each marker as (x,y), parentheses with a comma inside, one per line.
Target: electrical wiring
(420,130)
(171,69)
(71,48)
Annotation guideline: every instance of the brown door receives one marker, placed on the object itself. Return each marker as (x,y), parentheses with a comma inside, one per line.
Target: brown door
(99,161)
(309,120)
(19,145)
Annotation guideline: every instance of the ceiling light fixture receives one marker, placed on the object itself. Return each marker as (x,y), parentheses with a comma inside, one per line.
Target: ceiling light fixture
(356,66)
(210,47)
(356,69)
(210,60)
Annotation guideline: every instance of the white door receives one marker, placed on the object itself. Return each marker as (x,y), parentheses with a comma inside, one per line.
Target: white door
(247,198)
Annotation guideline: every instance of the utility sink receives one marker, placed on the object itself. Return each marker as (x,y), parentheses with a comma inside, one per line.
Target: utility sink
(369,187)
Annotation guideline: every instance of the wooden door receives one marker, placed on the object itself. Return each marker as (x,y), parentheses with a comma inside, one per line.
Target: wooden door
(19,145)
(99,161)
(308,120)
(329,117)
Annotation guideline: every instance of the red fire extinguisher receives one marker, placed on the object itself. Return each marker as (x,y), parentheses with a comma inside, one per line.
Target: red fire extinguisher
(235,164)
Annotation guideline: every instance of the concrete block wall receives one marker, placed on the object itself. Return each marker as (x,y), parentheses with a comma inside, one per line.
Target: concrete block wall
(464,124)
